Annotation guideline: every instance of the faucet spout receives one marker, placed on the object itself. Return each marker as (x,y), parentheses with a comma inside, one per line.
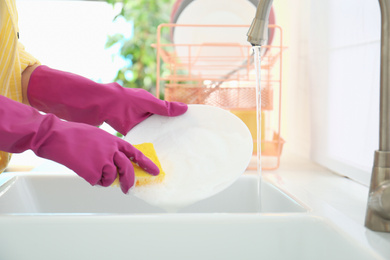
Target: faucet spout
(378,206)
(258,31)
(378,209)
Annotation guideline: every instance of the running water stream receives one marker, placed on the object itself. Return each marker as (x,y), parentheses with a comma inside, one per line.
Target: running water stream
(257,61)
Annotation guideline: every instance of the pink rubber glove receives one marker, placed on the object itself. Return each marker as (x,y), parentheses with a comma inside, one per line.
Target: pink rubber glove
(78,99)
(92,153)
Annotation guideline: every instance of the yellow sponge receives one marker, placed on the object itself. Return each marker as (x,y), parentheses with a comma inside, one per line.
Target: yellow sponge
(142,177)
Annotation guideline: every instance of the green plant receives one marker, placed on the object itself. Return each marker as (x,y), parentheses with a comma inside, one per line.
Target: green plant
(145,15)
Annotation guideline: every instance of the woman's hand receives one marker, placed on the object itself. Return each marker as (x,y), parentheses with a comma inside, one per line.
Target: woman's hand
(78,99)
(92,153)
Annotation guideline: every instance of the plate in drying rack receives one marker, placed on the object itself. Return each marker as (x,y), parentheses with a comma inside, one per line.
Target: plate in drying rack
(206,12)
(213,52)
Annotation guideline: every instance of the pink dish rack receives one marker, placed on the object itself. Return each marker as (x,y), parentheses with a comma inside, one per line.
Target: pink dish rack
(222,74)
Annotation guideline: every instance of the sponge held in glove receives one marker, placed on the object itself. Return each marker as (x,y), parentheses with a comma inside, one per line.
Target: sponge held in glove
(141,176)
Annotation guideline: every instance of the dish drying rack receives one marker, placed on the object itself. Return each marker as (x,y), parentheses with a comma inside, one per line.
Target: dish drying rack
(223,74)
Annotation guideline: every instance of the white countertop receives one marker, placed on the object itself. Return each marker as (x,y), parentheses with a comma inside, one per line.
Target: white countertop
(313,184)
(339,199)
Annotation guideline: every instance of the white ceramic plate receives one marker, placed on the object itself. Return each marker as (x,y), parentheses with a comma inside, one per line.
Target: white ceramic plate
(202,152)
(181,5)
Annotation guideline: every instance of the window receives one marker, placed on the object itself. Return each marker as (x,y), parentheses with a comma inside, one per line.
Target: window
(340,73)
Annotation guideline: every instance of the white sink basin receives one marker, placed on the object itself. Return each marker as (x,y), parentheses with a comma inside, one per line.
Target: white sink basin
(65,193)
(45,216)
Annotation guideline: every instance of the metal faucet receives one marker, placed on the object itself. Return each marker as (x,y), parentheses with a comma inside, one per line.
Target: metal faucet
(378,205)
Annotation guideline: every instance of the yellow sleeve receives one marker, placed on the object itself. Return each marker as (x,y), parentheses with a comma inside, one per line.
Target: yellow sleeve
(25,58)
(13,57)
(13,60)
